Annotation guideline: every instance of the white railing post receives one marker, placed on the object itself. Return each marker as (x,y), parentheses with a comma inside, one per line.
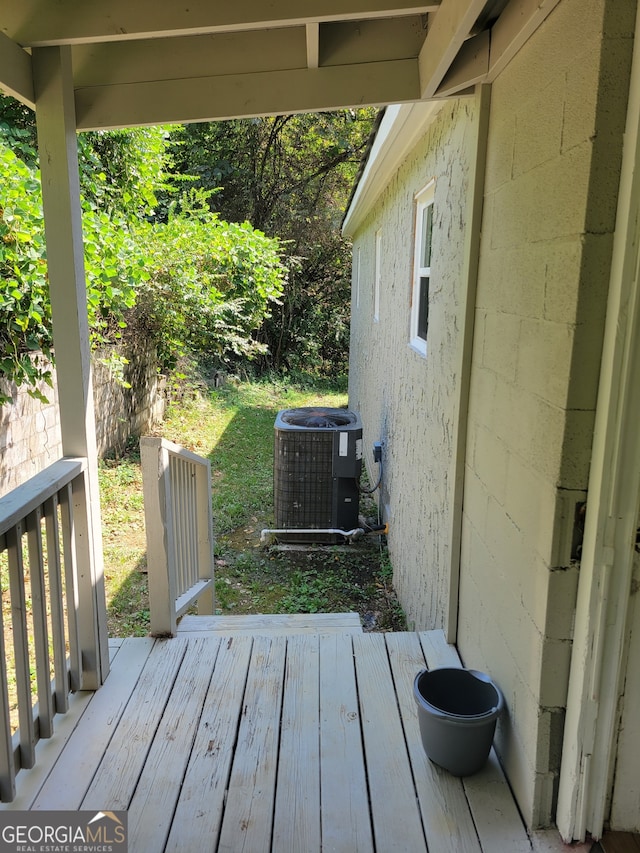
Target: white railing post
(179,527)
(159,530)
(205,542)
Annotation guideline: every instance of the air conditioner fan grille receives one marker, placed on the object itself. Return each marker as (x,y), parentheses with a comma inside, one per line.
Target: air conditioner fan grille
(317,418)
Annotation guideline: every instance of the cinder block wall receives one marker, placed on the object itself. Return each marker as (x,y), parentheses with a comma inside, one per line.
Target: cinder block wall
(122,412)
(405,399)
(30,430)
(557,116)
(29,435)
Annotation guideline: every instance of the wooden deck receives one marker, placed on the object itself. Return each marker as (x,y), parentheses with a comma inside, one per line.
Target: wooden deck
(300,742)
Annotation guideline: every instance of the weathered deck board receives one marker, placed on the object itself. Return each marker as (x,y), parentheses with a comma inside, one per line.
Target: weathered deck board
(119,771)
(67,784)
(254,624)
(397,824)
(296,823)
(198,816)
(494,810)
(248,816)
(308,742)
(346,823)
(445,811)
(156,794)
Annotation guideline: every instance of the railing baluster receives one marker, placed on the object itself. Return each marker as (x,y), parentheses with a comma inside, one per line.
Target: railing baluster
(193,519)
(178,506)
(188,525)
(189,522)
(184,521)
(57,605)
(172,529)
(71,585)
(171,498)
(40,627)
(7,760)
(21,645)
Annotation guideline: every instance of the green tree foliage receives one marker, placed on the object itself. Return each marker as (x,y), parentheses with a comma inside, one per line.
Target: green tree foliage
(112,272)
(210,283)
(124,170)
(25,314)
(290,176)
(191,283)
(187,269)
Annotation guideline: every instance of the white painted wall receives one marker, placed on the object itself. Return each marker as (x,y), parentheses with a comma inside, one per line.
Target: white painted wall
(406,400)
(557,115)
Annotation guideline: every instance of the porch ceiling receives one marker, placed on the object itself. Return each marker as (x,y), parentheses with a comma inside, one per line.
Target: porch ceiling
(141,62)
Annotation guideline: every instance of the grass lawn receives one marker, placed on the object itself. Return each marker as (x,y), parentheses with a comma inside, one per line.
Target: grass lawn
(234,427)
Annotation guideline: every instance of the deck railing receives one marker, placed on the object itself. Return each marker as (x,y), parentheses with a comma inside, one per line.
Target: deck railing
(178,520)
(41,653)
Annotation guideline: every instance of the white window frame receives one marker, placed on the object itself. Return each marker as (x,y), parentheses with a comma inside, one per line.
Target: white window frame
(377,277)
(419,324)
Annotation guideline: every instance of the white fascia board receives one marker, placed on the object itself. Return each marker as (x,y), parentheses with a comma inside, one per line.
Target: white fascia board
(401,127)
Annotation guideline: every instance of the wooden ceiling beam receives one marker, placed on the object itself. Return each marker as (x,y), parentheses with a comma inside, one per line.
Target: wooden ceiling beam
(470,66)
(313,45)
(448,29)
(354,42)
(152,60)
(282,49)
(484,56)
(33,23)
(16,75)
(247,95)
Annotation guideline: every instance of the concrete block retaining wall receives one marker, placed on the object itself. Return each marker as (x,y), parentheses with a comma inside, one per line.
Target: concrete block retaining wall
(30,430)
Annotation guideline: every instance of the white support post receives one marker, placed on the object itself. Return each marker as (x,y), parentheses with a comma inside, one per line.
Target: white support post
(56,124)
(475,200)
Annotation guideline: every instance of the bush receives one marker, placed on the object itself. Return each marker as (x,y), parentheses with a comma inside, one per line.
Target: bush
(209,284)
(25,313)
(112,272)
(193,284)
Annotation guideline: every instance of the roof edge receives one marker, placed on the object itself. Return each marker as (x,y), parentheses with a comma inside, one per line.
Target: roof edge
(399,130)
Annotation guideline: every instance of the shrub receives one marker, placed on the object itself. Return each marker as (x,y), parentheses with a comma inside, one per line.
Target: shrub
(193,284)
(209,284)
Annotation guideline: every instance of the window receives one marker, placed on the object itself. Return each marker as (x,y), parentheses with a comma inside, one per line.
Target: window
(422,268)
(376,292)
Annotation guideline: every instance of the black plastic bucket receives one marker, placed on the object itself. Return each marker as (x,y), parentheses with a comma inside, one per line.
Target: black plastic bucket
(457,712)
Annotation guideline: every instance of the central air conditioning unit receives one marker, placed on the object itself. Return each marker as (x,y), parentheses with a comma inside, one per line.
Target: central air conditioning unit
(317,466)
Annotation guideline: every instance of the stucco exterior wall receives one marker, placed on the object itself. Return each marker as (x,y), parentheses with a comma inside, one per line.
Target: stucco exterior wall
(555,134)
(405,399)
